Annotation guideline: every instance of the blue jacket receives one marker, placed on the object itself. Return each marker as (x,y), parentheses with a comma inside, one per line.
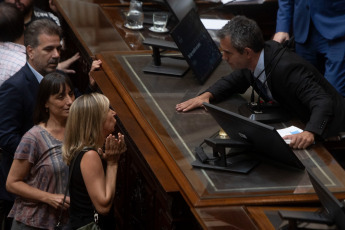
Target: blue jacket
(328,17)
(17,100)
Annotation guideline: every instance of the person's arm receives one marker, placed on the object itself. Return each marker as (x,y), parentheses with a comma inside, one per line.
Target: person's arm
(281,37)
(11,112)
(101,186)
(318,102)
(16,184)
(301,140)
(284,20)
(96,64)
(306,96)
(236,82)
(195,102)
(65,65)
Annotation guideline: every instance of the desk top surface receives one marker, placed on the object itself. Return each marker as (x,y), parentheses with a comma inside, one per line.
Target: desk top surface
(99,24)
(100,28)
(155,96)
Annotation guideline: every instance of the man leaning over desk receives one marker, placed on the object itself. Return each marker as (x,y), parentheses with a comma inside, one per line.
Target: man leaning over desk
(286,78)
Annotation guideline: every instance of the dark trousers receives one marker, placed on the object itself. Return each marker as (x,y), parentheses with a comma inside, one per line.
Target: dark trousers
(328,56)
(5,208)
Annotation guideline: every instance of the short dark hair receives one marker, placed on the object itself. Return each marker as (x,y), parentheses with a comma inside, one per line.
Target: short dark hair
(11,22)
(50,85)
(38,27)
(243,32)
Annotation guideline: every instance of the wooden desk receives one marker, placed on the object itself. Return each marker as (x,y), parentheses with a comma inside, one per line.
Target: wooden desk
(94,26)
(157,186)
(150,99)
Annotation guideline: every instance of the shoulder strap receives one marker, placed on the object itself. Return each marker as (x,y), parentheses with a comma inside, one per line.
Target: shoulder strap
(85,149)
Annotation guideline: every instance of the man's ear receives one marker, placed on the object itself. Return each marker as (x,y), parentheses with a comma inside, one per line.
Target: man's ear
(248,51)
(30,51)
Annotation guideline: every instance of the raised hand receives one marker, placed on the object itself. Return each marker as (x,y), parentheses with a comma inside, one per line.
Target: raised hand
(64,66)
(114,147)
(96,64)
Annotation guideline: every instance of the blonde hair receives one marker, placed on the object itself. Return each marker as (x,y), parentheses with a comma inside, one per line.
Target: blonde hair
(84,127)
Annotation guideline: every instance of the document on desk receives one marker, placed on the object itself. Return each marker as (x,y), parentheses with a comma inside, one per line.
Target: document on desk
(213,24)
(289,131)
(229,2)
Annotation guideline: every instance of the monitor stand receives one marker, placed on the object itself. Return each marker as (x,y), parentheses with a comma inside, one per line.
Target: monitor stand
(265,113)
(295,217)
(238,162)
(166,65)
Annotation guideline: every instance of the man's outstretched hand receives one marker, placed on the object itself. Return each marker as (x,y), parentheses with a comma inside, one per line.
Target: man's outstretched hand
(300,140)
(193,103)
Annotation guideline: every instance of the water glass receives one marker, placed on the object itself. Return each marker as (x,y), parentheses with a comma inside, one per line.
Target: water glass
(160,21)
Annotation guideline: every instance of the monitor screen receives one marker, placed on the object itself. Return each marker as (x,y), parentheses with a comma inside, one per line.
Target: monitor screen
(264,138)
(197,46)
(332,207)
(180,8)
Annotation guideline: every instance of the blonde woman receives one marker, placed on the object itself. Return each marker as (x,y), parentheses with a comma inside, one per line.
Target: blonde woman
(89,127)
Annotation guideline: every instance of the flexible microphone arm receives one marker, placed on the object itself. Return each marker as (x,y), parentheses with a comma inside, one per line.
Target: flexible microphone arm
(287,44)
(259,106)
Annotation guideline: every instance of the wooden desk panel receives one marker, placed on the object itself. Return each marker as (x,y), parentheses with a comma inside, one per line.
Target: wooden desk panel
(225,218)
(90,26)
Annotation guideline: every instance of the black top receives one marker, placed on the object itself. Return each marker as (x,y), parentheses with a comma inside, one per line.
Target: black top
(81,207)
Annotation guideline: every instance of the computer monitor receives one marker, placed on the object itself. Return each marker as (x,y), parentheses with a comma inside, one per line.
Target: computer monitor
(197,46)
(333,211)
(180,8)
(264,139)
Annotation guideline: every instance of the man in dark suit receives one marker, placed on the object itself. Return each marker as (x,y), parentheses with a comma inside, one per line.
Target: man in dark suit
(42,40)
(286,78)
(319,30)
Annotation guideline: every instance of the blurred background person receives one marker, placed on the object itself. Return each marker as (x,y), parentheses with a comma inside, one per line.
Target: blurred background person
(32,13)
(12,49)
(318,27)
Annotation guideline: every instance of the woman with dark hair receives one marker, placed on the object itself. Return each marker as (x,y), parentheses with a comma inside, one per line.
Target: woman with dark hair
(38,175)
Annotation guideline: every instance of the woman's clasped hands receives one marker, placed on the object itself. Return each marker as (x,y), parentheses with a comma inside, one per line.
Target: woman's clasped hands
(114,147)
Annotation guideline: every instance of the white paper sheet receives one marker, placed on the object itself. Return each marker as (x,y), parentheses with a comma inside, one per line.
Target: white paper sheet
(289,131)
(213,24)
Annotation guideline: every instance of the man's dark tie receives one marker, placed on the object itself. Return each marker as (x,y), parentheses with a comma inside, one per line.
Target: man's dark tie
(261,89)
